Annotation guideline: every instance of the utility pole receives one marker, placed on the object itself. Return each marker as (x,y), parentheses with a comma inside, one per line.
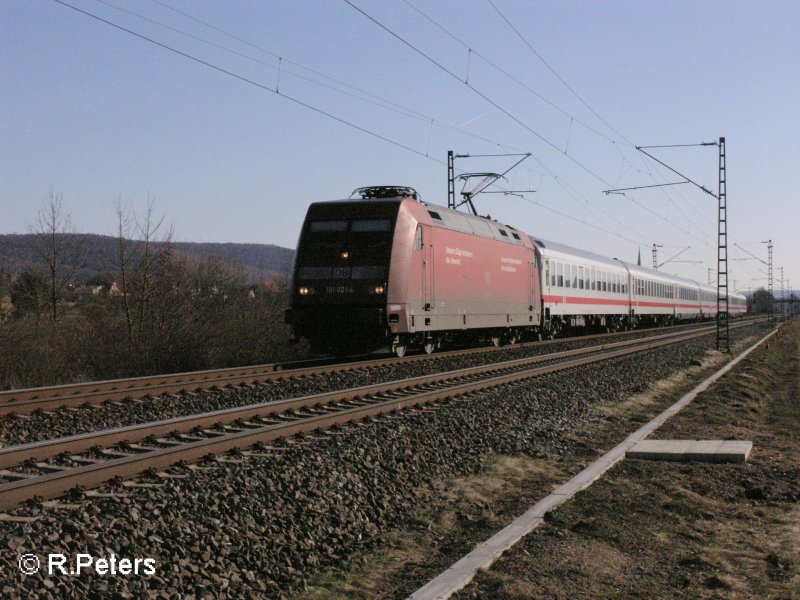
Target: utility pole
(451,180)
(769,282)
(723,338)
(783,297)
(655,255)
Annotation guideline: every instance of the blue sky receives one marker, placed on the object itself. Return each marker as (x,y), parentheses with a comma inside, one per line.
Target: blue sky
(97,114)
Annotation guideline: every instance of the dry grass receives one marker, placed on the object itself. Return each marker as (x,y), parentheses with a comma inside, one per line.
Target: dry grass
(476,498)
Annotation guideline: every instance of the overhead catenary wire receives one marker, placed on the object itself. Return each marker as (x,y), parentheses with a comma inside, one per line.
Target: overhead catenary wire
(382,102)
(405,111)
(514,118)
(377,100)
(311,107)
(499,69)
(554,72)
(252,82)
(578,96)
(280,94)
(495,104)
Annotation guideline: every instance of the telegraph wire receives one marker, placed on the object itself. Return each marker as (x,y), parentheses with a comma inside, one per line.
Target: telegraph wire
(400,109)
(299,102)
(538,95)
(474,89)
(381,103)
(553,71)
(315,109)
(506,73)
(573,92)
(511,116)
(251,82)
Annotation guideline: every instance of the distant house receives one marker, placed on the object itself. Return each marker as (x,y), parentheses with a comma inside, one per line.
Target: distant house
(112,291)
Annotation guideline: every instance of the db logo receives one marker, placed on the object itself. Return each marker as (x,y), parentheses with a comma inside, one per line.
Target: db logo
(29,564)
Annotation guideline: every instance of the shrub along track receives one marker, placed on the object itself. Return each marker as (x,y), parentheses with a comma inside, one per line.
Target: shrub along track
(256,524)
(94,406)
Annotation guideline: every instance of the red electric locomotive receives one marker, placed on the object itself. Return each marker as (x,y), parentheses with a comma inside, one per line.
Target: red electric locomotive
(387,270)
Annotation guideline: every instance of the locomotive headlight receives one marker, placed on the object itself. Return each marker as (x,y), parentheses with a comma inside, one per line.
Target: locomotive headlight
(303,291)
(379,289)
(345,255)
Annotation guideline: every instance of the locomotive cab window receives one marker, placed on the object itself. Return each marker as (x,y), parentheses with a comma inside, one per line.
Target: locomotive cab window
(324,226)
(366,225)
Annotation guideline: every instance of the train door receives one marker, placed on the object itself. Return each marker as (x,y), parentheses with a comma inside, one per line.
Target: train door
(537,289)
(423,251)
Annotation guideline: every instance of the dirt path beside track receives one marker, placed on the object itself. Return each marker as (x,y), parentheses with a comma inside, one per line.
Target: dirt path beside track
(697,530)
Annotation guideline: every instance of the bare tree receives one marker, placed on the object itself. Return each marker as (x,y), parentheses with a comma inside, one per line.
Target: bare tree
(153,247)
(125,252)
(59,247)
(5,285)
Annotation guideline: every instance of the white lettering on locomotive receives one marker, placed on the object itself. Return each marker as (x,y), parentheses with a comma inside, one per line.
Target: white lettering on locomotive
(458,252)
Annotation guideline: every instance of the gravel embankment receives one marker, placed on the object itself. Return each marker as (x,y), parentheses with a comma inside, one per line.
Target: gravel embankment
(651,529)
(20,429)
(261,527)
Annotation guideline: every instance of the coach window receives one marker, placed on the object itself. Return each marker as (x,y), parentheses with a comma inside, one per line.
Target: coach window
(573,269)
(580,277)
(604,277)
(567,276)
(418,238)
(560,282)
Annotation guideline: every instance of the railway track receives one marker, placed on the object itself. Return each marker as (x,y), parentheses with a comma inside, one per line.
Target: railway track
(50,468)
(28,400)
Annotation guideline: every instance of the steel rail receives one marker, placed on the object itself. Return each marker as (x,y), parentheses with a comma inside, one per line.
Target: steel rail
(40,450)
(54,484)
(28,400)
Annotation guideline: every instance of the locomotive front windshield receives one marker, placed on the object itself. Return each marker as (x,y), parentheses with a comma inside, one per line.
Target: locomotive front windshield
(344,252)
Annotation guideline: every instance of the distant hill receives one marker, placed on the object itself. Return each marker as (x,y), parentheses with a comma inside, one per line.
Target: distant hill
(260,261)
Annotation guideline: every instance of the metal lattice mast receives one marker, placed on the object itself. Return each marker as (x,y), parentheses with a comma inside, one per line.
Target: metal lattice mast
(769,283)
(783,296)
(451,181)
(723,341)
(655,256)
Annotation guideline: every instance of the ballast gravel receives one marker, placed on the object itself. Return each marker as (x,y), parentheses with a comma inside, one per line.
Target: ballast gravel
(41,425)
(260,525)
